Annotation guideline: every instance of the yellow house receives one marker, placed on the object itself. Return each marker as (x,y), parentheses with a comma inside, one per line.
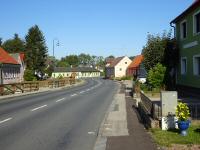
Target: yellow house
(81,72)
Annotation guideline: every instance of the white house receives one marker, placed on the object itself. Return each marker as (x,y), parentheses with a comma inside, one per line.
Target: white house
(117,68)
(81,72)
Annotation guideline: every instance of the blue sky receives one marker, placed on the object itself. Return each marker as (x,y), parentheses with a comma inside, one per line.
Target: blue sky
(97,27)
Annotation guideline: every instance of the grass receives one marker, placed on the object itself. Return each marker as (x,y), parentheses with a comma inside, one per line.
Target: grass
(167,138)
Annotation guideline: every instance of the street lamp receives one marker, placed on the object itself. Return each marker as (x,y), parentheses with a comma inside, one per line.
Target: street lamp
(57,44)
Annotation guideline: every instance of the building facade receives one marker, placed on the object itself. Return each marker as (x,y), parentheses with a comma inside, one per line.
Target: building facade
(9,68)
(81,72)
(117,68)
(188,38)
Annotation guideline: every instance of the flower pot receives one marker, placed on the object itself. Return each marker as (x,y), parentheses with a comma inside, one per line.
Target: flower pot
(183,126)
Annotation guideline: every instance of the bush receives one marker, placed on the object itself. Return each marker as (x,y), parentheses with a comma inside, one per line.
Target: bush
(126,78)
(156,76)
(144,87)
(29,75)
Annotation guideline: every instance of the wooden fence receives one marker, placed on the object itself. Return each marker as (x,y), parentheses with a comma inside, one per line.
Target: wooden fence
(6,89)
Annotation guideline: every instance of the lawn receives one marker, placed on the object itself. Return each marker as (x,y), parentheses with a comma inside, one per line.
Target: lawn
(167,138)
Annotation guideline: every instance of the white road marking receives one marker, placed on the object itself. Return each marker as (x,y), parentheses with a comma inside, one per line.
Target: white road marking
(82,92)
(73,95)
(87,89)
(60,99)
(5,120)
(38,108)
(91,133)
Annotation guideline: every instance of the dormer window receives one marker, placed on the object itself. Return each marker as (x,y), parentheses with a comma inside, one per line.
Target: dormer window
(183,30)
(196,18)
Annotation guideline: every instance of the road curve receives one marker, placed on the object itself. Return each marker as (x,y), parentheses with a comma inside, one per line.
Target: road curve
(66,119)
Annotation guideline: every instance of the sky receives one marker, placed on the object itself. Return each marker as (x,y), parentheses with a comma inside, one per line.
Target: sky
(95,27)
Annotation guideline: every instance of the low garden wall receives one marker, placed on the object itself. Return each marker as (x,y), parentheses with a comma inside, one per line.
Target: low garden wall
(150,110)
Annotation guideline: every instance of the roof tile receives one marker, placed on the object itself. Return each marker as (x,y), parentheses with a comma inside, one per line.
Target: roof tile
(5,58)
(136,61)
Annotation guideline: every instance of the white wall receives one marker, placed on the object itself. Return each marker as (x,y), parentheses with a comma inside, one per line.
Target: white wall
(121,67)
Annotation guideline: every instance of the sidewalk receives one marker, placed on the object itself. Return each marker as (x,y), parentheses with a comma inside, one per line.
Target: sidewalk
(122,129)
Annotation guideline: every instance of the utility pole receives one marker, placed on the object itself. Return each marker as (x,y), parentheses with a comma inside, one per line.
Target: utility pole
(57,44)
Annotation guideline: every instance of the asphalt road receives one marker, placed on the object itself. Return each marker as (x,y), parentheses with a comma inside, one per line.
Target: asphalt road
(67,119)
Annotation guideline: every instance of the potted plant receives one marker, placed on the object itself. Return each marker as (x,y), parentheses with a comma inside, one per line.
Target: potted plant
(182,113)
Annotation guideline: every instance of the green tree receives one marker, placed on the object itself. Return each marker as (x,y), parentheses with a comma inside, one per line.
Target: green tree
(100,61)
(1,42)
(154,50)
(62,63)
(36,50)
(111,56)
(156,76)
(72,60)
(29,75)
(14,45)
(84,59)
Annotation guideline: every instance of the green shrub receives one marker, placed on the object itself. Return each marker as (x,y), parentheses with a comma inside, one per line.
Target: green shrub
(127,78)
(144,87)
(29,75)
(156,76)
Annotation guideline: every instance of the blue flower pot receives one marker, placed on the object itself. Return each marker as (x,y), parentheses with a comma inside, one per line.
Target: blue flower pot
(183,126)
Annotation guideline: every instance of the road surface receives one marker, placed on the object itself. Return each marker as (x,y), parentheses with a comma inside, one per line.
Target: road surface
(66,119)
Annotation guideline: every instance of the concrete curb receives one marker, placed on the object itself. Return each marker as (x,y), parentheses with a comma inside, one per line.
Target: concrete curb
(100,143)
(41,91)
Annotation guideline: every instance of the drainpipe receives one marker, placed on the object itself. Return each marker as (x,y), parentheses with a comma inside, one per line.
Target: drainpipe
(1,73)
(174,27)
(175,69)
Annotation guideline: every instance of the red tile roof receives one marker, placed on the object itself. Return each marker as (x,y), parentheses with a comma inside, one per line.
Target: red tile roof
(22,56)
(115,62)
(5,58)
(136,61)
(188,10)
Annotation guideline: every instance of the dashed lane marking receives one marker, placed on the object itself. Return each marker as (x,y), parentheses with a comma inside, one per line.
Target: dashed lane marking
(38,108)
(60,99)
(5,120)
(73,95)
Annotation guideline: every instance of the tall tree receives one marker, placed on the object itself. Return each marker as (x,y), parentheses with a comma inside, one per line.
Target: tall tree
(1,42)
(72,60)
(36,50)
(154,50)
(14,45)
(84,59)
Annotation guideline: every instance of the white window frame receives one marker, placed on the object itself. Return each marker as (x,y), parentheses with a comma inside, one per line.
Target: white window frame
(183,73)
(181,29)
(194,23)
(195,67)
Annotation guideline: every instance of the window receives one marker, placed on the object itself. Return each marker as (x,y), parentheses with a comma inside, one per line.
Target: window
(183,30)
(183,65)
(196,18)
(196,65)
(125,62)
(120,69)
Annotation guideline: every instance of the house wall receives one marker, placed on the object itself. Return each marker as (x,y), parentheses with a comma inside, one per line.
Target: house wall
(121,67)
(189,47)
(78,74)
(10,73)
(110,72)
(63,74)
(90,74)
